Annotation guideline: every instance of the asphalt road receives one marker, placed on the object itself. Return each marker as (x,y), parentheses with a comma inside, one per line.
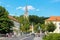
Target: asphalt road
(25,37)
(31,37)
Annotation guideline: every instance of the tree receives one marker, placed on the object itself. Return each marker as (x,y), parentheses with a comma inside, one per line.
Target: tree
(24,28)
(50,27)
(37,27)
(32,19)
(43,27)
(24,24)
(36,19)
(5,23)
(20,19)
(52,36)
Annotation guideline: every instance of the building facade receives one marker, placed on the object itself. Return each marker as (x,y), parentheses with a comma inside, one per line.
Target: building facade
(16,29)
(55,20)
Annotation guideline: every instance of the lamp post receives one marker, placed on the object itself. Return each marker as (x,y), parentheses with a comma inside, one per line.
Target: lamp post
(39,27)
(32,28)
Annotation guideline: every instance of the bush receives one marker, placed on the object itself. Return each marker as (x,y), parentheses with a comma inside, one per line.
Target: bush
(53,36)
(50,27)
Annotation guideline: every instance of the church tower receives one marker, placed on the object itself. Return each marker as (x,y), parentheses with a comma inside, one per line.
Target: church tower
(26,12)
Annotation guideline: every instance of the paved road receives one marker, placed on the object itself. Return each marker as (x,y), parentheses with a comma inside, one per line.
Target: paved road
(31,37)
(25,37)
(37,38)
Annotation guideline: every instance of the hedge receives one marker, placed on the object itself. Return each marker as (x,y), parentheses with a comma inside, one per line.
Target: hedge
(52,36)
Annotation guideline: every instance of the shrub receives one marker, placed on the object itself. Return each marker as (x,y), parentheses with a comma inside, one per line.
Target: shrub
(53,36)
(51,27)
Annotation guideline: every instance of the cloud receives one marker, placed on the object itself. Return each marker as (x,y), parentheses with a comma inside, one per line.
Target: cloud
(23,8)
(30,8)
(19,8)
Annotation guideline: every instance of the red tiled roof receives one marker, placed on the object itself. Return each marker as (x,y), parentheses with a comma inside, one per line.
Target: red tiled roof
(54,18)
(12,18)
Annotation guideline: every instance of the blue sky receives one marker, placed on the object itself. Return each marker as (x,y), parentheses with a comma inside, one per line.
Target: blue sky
(36,7)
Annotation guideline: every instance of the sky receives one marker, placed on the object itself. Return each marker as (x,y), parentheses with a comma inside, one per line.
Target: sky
(35,7)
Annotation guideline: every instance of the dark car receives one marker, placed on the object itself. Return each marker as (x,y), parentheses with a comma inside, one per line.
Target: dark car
(33,34)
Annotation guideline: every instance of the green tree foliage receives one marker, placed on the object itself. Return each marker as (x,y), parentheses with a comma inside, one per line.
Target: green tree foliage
(36,19)
(5,23)
(32,18)
(37,27)
(24,24)
(43,27)
(53,36)
(50,27)
(25,27)
(20,19)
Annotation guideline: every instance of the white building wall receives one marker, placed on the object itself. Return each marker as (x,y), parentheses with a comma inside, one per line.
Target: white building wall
(57,30)
(16,28)
(57,23)
(16,24)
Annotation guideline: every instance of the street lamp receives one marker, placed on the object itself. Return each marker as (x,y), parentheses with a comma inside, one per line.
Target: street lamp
(39,28)
(32,28)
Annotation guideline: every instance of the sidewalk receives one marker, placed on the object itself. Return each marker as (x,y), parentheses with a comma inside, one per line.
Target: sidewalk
(37,38)
(1,38)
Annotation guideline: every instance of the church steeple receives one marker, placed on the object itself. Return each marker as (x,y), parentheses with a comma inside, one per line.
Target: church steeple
(26,11)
